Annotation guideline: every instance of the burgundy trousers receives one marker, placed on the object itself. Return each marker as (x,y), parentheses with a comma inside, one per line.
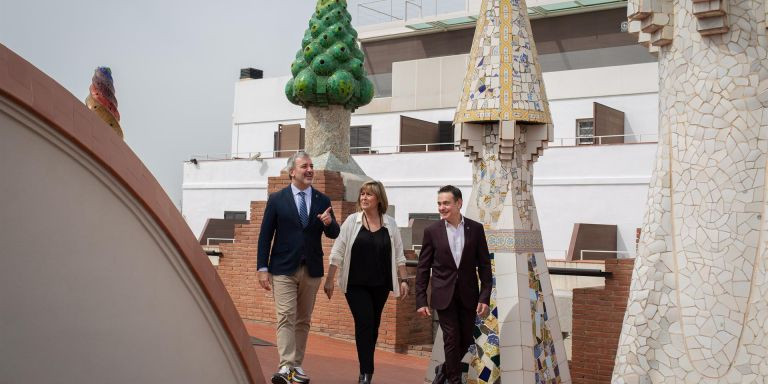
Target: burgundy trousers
(458,325)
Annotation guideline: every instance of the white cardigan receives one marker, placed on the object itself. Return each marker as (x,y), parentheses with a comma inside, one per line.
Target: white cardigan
(342,248)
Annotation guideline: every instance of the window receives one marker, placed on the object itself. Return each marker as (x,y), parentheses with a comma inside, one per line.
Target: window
(234,215)
(359,139)
(585,131)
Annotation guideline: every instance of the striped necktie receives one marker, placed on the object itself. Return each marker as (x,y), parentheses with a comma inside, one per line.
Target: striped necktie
(303,215)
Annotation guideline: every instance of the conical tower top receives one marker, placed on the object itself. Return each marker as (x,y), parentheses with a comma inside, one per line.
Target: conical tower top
(503,80)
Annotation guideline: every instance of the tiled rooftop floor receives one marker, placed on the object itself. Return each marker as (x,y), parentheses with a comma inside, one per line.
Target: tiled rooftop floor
(331,361)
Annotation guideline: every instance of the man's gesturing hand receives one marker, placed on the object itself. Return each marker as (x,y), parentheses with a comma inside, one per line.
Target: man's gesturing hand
(424,312)
(325,217)
(264,280)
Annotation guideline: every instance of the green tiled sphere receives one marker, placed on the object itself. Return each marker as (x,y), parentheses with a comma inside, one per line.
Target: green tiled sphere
(304,85)
(324,64)
(341,87)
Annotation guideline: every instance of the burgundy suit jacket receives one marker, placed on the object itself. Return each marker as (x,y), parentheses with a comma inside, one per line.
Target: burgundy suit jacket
(447,277)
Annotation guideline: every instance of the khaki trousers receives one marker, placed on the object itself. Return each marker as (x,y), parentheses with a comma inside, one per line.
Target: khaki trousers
(294,301)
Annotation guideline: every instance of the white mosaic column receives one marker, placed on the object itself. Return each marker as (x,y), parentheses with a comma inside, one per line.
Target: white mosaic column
(698,303)
(531,348)
(503,125)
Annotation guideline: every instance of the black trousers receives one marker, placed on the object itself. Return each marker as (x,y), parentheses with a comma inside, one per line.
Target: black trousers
(366,304)
(458,325)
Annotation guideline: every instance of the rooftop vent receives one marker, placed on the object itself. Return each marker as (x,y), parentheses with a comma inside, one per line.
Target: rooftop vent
(251,73)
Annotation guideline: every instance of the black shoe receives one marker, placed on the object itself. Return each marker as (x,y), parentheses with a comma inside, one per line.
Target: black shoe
(365,378)
(439,375)
(299,376)
(284,376)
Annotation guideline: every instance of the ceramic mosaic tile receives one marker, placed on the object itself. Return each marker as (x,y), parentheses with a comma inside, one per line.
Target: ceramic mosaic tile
(490,180)
(481,363)
(503,81)
(545,356)
(519,241)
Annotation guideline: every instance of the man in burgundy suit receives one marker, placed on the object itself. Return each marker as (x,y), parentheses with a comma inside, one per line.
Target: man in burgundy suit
(455,251)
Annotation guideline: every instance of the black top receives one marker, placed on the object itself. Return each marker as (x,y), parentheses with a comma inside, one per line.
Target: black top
(371,259)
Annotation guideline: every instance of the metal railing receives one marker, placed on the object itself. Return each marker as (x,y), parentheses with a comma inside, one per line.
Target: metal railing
(631,138)
(637,138)
(382,149)
(563,271)
(428,147)
(390,14)
(370,12)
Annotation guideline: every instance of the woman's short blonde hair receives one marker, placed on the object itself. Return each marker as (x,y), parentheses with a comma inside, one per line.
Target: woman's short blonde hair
(375,188)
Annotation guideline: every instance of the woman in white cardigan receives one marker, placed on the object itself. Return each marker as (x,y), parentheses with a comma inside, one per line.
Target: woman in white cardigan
(369,253)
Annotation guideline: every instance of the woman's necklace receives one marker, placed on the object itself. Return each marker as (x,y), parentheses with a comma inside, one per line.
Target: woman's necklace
(368,224)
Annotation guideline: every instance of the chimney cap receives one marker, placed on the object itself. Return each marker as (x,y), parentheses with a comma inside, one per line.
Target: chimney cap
(251,73)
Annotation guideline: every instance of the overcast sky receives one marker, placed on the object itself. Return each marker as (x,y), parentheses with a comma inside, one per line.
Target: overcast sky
(174,62)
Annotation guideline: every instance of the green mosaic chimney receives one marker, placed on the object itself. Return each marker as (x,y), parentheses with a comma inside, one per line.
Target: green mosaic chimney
(329,67)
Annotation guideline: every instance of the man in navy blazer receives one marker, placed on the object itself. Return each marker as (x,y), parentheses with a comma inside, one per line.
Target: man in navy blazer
(455,251)
(290,261)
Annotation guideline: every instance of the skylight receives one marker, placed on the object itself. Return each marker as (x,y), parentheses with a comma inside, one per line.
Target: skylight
(420,26)
(459,21)
(560,6)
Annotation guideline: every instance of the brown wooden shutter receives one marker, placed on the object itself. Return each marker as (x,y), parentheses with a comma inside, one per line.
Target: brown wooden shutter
(289,138)
(608,121)
(415,131)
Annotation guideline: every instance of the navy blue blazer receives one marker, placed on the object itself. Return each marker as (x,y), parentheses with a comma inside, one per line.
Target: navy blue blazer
(281,228)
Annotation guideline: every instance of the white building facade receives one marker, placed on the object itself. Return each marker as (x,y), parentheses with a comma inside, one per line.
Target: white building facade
(574,183)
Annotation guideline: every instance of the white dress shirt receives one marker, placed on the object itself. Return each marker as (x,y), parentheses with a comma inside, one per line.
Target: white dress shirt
(307,197)
(456,239)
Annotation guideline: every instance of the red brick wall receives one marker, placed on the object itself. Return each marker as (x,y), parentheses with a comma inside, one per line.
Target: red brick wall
(330,183)
(598,314)
(410,329)
(400,326)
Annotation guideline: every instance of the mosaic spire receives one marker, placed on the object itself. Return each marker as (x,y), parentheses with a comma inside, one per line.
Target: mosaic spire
(503,125)
(503,81)
(102,100)
(504,85)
